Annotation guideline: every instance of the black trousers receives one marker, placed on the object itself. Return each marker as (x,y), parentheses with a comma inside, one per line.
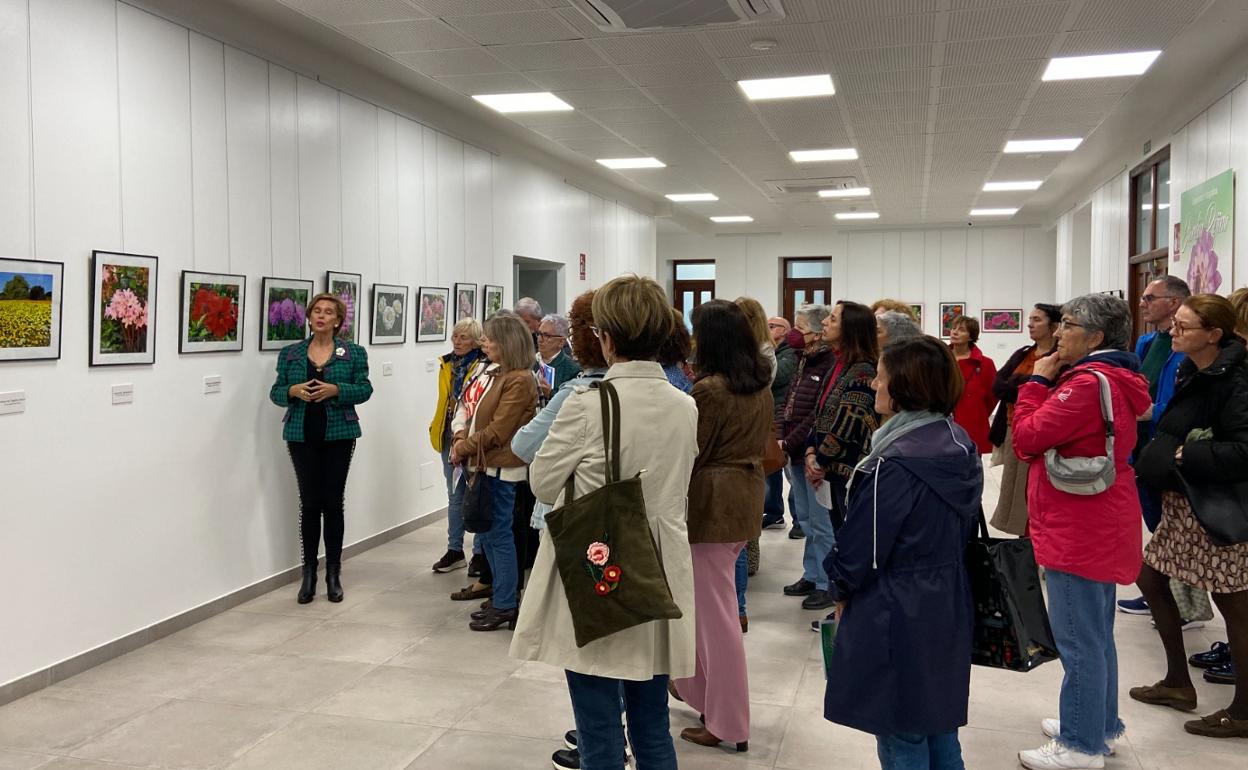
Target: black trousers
(321,470)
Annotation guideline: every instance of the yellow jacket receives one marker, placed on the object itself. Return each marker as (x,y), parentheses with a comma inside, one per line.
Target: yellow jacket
(446,400)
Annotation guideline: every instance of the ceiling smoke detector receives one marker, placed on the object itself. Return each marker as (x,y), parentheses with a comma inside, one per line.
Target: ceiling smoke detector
(619,15)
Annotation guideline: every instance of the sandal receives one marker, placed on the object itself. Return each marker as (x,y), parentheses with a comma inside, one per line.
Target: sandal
(1218,725)
(1160,695)
(478,591)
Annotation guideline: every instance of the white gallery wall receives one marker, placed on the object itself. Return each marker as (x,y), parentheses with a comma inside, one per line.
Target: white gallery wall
(122,131)
(986,267)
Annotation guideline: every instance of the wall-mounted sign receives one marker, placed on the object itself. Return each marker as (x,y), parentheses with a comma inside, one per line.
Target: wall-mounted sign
(582,267)
(1208,233)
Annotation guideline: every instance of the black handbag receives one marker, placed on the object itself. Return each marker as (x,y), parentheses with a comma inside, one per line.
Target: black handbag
(607,559)
(1220,509)
(1011,622)
(477,507)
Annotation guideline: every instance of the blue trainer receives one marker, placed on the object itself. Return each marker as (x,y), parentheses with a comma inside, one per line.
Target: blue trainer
(1135,606)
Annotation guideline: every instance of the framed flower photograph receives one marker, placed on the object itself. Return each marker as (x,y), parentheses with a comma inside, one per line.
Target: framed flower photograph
(123,309)
(1001,321)
(917,309)
(30,309)
(346,286)
(431,313)
(283,311)
(211,312)
(948,312)
(465,301)
(493,301)
(389,325)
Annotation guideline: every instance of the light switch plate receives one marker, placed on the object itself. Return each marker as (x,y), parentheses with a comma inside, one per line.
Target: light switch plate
(212,384)
(387,368)
(13,402)
(123,394)
(429,365)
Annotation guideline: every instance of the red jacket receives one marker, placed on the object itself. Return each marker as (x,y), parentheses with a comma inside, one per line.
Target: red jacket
(1093,536)
(977,402)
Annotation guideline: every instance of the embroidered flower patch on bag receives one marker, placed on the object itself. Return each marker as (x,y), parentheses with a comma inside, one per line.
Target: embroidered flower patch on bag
(606,576)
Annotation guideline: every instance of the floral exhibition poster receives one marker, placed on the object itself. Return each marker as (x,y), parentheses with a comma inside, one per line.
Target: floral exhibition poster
(1208,232)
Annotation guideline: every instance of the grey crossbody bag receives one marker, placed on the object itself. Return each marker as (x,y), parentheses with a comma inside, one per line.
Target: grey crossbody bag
(1087,475)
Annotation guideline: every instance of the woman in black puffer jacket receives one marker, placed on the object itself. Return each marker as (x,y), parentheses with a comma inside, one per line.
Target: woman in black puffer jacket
(1201,443)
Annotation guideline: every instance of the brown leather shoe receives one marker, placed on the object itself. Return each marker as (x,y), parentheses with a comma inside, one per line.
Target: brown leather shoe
(474,591)
(1218,725)
(745,624)
(703,737)
(1183,699)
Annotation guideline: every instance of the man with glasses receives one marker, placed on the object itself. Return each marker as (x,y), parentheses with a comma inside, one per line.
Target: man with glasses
(552,336)
(1160,364)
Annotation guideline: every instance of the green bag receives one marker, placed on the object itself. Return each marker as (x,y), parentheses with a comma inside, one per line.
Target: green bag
(606,555)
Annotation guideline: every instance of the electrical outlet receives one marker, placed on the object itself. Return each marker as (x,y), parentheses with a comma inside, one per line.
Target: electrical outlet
(387,368)
(430,364)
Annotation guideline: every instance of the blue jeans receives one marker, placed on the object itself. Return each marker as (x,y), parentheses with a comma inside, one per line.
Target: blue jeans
(1081,612)
(773,503)
(500,543)
(816,522)
(904,751)
(600,736)
(743,579)
(454,507)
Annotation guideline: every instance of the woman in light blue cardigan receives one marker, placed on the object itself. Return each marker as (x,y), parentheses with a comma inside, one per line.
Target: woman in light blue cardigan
(588,354)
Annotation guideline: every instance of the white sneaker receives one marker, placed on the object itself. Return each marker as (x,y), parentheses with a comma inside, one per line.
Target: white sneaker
(1053,728)
(1055,756)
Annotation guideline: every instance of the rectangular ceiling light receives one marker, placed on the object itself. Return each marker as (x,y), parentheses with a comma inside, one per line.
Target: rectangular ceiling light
(858,215)
(1111,65)
(691,197)
(788,88)
(814,156)
(1011,186)
(993,212)
(848,192)
(728,220)
(1041,145)
(619,163)
(538,102)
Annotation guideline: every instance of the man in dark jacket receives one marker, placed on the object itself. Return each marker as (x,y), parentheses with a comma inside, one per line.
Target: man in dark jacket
(786,365)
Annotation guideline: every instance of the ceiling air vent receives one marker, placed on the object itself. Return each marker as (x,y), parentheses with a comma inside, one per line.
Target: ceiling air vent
(618,15)
(810,186)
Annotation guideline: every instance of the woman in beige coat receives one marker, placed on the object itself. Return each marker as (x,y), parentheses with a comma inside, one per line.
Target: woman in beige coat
(659,440)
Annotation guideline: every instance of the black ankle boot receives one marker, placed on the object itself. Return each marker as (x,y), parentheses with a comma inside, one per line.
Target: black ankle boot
(333,585)
(307,589)
(495,619)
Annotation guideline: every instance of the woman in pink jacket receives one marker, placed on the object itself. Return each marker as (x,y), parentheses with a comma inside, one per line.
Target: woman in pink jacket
(1086,542)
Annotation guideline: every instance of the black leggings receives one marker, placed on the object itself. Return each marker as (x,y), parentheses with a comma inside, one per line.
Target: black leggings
(321,470)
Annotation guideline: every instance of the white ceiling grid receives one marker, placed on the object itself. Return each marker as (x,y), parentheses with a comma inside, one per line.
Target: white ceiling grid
(928,91)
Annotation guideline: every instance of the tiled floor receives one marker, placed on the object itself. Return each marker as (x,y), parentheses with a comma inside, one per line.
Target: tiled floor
(393,678)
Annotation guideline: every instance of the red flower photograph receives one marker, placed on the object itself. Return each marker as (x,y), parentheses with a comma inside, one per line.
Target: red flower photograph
(212,308)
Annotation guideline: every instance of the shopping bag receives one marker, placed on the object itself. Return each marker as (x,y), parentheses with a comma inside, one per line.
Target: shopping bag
(1011,622)
(608,561)
(827,641)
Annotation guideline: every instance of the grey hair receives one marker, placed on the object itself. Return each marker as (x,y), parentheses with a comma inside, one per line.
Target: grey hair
(814,314)
(1103,313)
(1175,286)
(502,311)
(471,327)
(559,322)
(898,326)
(528,307)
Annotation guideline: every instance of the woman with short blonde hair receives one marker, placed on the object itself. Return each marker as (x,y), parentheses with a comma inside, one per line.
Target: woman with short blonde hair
(884,305)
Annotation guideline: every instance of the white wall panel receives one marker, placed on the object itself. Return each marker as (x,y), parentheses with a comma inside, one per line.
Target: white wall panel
(866,252)
(284,172)
(387,197)
(410,185)
(432,218)
(209,167)
(953,266)
(360,213)
(478,218)
(320,193)
(247,150)
(16,239)
(450,187)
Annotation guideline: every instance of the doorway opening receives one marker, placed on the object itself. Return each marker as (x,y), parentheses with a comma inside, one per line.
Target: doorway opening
(807,281)
(541,279)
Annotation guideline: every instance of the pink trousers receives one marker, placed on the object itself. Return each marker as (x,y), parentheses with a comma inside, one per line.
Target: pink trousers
(720,687)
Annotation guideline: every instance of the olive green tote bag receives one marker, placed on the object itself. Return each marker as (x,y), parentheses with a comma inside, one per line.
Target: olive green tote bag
(606,555)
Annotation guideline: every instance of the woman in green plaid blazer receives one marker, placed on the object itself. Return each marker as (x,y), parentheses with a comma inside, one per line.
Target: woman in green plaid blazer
(319,381)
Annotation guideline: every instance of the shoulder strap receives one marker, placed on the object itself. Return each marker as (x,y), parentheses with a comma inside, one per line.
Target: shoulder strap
(1107,412)
(610,401)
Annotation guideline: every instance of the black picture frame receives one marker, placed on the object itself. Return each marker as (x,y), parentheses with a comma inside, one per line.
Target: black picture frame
(100,261)
(433,329)
(471,305)
(350,329)
(187,346)
(294,289)
(377,328)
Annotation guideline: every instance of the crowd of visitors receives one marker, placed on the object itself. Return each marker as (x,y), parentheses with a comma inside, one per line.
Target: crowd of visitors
(880,432)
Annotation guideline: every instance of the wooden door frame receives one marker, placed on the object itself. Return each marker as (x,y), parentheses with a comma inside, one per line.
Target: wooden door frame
(788,285)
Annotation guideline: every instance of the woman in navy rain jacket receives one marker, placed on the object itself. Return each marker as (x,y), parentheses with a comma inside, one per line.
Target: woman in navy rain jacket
(901,668)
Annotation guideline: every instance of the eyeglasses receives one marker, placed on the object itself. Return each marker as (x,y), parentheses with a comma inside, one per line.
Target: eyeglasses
(1064,325)
(775,326)
(1148,299)
(545,336)
(1183,328)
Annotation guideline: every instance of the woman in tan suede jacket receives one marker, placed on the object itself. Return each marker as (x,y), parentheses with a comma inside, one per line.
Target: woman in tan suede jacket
(726,491)
(494,407)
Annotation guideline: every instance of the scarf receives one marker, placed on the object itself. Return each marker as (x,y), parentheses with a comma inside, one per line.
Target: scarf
(894,428)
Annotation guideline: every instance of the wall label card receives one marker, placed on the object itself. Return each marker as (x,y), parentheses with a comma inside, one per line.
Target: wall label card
(212,384)
(123,394)
(13,402)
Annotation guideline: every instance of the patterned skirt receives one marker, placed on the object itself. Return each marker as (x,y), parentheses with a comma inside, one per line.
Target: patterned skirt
(1181,549)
